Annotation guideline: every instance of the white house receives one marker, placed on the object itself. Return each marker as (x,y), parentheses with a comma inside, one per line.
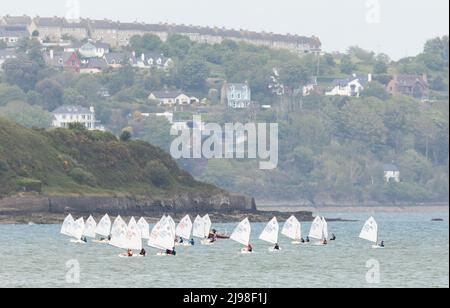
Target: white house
(6,54)
(236,95)
(149,61)
(12,34)
(89,50)
(352,86)
(167,115)
(171,98)
(391,173)
(65,115)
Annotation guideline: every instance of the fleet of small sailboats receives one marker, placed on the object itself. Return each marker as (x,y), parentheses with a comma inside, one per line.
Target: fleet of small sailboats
(164,235)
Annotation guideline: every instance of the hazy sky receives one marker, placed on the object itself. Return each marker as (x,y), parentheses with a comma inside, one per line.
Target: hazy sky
(396,27)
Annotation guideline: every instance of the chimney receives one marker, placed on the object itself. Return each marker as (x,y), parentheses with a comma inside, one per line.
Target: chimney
(369,78)
(92,109)
(143,57)
(134,54)
(51,54)
(425,77)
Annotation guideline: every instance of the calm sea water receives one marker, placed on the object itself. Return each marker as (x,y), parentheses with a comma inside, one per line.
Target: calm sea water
(417,255)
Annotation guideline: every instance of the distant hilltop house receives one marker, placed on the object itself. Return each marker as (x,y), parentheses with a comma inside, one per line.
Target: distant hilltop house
(65,115)
(89,50)
(93,66)
(63,60)
(6,54)
(119,34)
(12,34)
(148,61)
(351,86)
(236,95)
(411,85)
(391,173)
(172,98)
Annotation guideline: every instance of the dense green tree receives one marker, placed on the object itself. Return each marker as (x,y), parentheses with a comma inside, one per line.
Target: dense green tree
(21,72)
(347,66)
(193,73)
(51,93)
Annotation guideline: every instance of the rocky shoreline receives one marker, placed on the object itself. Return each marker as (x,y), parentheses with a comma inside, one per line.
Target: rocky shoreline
(52,209)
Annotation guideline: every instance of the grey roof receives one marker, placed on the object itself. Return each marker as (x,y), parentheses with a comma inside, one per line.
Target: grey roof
(115,57)
(97,63)
(57,56)
(14,31)
(60,23)
(167,93)
(7,53)
(17,20)
(238,86)
(362,79)
(410,80)
(72,110)
(390,167)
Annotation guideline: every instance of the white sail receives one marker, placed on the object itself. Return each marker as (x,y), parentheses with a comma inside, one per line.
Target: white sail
(242,232)
(324,228)
(184,228)
(172,222)
(89,227)
(133,238)
(104,226)
(78,228)
(163,235)
(199,227)
(292,229)
(207,225)
(118,233)
(154,235)
(67,225)
(270,232)
(144,228)
(316,230)
(370,231)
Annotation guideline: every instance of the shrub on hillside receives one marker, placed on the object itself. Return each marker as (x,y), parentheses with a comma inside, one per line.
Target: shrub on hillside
(158,174)
(82,177)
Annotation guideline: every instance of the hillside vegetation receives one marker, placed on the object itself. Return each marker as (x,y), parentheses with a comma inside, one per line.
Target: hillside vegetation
(76,161)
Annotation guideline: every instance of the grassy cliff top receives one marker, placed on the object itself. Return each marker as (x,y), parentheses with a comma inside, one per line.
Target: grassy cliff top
(65,161)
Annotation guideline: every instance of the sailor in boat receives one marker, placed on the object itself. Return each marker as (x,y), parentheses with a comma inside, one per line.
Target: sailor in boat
(109,237)
(249,248)
(129,253)
(143,252)
(333,237)
(382,244)
(302,240)
(307,239)
(324,242)
(181,241)
(277,247)
(84,239)
(171,252)
(191,242)
(213,238)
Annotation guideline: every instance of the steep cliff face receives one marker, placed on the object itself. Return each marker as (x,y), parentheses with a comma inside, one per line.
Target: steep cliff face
(124,205)
(82,171)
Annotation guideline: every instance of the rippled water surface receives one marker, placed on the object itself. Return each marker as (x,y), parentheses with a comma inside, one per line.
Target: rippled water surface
(417,255)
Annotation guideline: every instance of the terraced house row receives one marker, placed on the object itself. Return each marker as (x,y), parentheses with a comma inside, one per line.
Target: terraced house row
(118,33)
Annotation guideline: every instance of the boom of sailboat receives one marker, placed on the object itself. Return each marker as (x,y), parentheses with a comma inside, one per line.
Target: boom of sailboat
(166,234)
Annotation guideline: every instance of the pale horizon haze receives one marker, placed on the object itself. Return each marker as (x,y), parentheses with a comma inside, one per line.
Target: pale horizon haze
(398,28)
